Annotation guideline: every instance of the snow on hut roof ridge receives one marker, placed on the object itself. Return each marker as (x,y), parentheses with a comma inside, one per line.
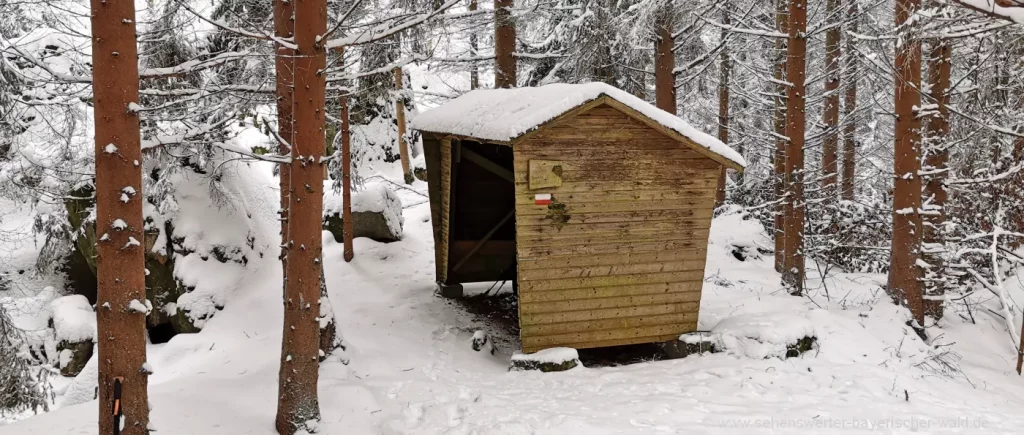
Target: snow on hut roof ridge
(505,114)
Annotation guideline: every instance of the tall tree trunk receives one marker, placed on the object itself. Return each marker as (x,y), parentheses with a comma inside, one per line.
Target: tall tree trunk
(723,101)
(933,250)
(796,62)
(664,63)
(403,147)
(284,65)
(849,110)
(830,147)
(297,384)
(504,45)
(346,171)
(474,71)
(781,24)
(904,274)
(120,263)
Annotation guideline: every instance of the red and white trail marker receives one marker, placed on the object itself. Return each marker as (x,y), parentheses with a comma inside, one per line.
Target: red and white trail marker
(542,199)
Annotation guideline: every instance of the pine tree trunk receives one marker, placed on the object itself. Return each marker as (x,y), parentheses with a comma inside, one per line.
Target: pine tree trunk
(474,49)
(297,384)
(664,63)
(849,110)
(504,45)
(936,159)
(904,274)
(346,171)
(283,68)
(120,263)
(781,20)
(796,62)
(723,102)
(403,147)
(830,146)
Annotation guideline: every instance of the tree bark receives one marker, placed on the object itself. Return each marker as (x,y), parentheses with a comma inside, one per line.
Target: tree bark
(664,63)
(849,110)
(474,49)
(298,403)
(781,23)
(284,65)
(904,284)
(830,146)
(723,102)
(120,263)
(504,45)
(403,147)
(796,62)
(346,172)
(936,159)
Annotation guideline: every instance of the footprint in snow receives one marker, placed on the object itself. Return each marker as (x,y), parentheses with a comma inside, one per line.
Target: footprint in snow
(413,414)
(455,413)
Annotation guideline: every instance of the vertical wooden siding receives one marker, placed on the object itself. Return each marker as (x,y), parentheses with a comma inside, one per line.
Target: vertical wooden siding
(628,264)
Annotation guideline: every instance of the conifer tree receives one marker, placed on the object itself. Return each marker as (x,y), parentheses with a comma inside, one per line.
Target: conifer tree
(120,265)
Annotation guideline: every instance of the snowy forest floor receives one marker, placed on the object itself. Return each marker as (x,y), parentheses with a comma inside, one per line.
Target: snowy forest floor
(412,369)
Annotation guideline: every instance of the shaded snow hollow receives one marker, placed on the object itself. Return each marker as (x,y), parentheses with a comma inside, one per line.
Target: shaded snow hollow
(505,114)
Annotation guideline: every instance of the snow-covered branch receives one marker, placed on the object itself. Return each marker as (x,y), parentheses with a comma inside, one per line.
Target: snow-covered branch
(388,29)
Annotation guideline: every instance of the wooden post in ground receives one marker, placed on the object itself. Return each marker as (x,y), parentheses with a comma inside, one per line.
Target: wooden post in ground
(850,109)
(830,146)
(664,63)
(284,65)
(904,284)
(504,45)
(796,63)
(403,147)
(120,264)
(933,245)
(474,49)
(298,404)
(723,101)
(346,171)
(781,20)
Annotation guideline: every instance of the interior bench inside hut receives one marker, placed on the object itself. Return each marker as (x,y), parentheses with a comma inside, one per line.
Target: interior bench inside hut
(595,203)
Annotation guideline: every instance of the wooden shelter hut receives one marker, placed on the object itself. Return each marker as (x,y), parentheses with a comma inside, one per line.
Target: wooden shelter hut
(597,203)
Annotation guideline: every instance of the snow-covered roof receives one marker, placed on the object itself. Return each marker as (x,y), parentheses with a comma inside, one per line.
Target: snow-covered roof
(506,114)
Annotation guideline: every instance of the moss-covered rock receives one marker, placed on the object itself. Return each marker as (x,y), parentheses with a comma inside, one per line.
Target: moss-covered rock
(802,345)
(369,224)
(72,357)
(162,288)
(694,343)
(79,205)
(420,173)
(182,323)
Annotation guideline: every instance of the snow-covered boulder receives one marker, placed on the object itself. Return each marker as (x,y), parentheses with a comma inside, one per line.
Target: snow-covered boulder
(74,328)
(555,359)
(376,214)
(739,234)
(766,335)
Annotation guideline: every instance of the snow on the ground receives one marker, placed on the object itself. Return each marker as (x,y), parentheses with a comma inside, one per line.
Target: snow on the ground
(413,370)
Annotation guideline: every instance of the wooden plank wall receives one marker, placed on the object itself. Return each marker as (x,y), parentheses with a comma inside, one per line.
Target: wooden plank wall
(628,265)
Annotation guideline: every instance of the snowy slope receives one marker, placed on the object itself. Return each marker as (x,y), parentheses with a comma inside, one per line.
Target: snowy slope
(412,369)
